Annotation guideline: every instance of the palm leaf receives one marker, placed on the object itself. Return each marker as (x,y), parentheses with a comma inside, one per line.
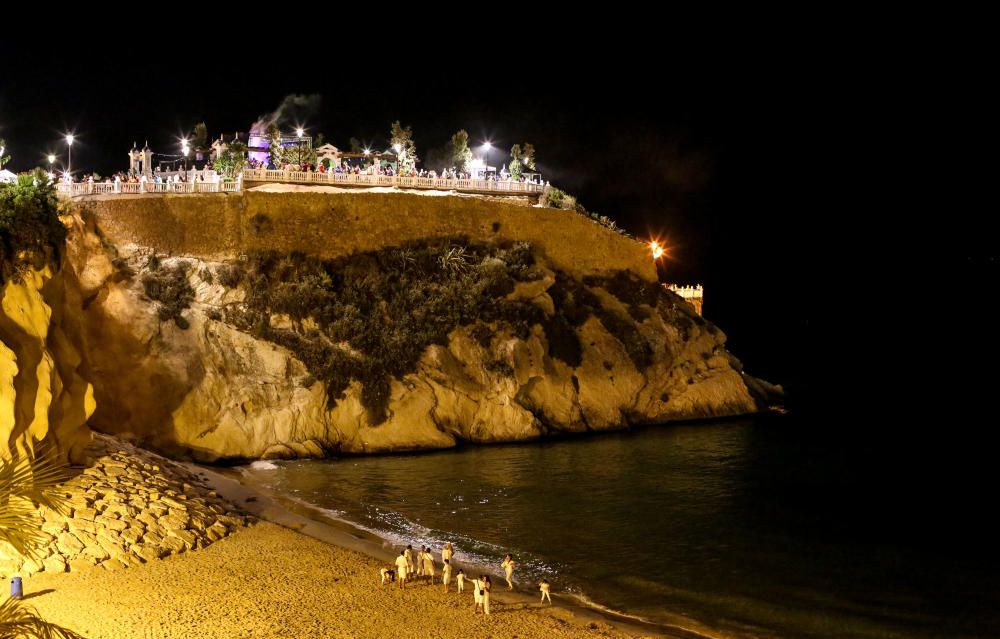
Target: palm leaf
(23,484)
(18,621)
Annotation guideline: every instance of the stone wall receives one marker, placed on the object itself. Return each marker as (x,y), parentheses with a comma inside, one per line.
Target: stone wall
(334,224)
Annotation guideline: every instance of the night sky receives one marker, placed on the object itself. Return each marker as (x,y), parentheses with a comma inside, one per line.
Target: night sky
(712,157)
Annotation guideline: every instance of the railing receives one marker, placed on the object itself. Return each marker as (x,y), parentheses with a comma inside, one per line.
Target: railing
(77,189)
(298,177)
(364,179)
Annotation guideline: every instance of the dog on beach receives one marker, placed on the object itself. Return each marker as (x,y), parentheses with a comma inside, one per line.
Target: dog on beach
(388,576)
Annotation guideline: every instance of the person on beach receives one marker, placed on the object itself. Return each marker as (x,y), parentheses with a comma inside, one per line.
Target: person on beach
(429,566)
(508,569)
(478,590)
(460,580)
(446,574)
(387,574)
(408,553)
(487,586)
(402,568)
(545,587)
(448,552)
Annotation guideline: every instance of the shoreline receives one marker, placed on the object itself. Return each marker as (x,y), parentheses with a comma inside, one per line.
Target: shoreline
(311,520)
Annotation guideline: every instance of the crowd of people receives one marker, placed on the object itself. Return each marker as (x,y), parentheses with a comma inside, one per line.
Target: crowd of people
(420,566)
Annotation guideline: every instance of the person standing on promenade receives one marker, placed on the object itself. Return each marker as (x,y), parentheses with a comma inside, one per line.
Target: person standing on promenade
(448,552)
(402,569)
(460,580)
(508,569)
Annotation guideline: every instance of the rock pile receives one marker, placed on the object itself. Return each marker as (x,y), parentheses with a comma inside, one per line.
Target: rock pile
(129,506)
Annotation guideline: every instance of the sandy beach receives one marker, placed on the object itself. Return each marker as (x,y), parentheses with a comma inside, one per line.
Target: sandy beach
(285,575)
(270,581)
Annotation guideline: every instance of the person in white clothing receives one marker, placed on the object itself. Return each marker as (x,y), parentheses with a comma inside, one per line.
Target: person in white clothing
(460,580)
(402,568)
(478,590)
(545,588)
(429,566)
(408,553)
(448,552)
(446,575)
(508,569)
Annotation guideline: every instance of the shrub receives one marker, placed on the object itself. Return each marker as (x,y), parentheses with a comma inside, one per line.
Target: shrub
(30,229)
(171,289)
(389,306)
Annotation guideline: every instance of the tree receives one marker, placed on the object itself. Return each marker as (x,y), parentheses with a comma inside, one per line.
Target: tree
(23,484)
(521,157)
(355,145)
(200,136)
(461,155)
(274,144)
(403,137)
(29,224)
(319,141)
(232,160)
(4,159)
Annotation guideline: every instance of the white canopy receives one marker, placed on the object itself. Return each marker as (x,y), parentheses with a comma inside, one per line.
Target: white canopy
(7,176)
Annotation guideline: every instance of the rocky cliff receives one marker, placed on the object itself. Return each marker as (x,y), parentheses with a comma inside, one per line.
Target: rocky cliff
(282,351)
(45,397)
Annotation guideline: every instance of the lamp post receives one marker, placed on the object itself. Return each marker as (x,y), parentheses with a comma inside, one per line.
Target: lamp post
(399,157)
(184,150)
(299,133)
(52,160)
(69,151)
(487,146)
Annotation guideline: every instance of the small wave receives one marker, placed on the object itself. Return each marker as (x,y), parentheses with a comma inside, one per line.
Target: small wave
(260,464)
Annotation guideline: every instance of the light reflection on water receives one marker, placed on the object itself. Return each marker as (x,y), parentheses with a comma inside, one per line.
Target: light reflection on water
(735,525)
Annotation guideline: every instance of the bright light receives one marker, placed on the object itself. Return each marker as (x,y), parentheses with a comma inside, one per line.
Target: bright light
(398,147)
(69,139)
(368,151)
(185,151)
(476,163)
(52,159)
(300,132)
(487,146)
(657,250)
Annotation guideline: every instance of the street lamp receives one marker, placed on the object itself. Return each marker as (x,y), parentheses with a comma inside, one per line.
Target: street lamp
(184,150)
(52,160)
(69,163)
(399,159)
(487,146)
(299,132)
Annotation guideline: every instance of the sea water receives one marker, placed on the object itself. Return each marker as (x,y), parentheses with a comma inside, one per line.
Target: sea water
(756,528)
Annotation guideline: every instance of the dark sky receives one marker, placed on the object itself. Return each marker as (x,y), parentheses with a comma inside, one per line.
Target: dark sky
(715,156)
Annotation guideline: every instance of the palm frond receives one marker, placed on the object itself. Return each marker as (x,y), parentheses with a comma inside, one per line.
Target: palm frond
(23,484)
(18,620)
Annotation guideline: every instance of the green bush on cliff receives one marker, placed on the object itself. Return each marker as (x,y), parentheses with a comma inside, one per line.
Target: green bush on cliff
(387,307)
(169,287)
(30,229)
(370,317)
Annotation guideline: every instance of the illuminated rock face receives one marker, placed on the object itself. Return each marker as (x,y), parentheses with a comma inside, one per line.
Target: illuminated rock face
(45,398)
(213,392)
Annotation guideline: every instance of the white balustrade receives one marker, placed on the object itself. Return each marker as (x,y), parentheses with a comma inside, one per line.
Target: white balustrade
(309,177)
